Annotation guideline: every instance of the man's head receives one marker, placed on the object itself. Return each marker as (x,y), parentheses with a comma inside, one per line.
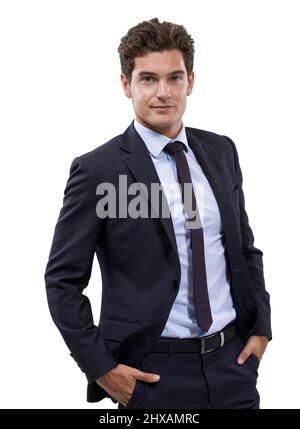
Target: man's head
(157,73)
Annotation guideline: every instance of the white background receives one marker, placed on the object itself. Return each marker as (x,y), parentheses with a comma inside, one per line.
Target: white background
(61,96)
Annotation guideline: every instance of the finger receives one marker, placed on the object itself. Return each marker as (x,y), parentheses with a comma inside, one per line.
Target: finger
(147,376)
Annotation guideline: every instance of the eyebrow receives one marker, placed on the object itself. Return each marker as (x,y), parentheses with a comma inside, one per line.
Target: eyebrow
(143,73)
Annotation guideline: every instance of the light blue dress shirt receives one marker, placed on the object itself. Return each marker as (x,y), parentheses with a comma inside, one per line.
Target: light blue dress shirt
(182,318)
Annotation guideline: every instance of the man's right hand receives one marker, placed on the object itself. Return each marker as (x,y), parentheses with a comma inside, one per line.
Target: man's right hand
(120,381)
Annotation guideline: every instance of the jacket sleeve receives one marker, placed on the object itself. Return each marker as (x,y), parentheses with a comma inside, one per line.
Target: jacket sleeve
(68,272)
(254,261)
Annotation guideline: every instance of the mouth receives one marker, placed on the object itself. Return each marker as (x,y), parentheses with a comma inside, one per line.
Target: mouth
(162,107)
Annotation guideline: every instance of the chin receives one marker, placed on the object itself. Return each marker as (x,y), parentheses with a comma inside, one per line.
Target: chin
(161,122)
(161,126)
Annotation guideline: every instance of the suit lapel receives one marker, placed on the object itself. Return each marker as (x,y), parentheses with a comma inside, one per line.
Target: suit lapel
(214,172)
(140,164)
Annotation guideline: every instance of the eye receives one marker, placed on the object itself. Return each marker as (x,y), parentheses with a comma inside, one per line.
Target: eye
(176,77)
(148,78)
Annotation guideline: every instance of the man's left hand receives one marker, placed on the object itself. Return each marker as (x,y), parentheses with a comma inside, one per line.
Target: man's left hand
(256,345)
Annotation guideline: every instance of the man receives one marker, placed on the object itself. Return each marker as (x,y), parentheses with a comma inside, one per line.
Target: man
(185,317)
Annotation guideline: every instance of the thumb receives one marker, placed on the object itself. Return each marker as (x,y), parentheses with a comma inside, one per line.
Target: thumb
(147,376)
(243,356)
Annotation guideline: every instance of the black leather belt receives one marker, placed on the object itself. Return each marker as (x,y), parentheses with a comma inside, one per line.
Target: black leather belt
(198,344)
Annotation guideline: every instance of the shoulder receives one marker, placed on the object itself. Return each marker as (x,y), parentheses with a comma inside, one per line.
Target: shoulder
(99,159)
(100,153)
(220,142)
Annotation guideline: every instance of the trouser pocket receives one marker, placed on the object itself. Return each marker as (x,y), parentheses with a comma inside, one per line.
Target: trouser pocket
(138,395)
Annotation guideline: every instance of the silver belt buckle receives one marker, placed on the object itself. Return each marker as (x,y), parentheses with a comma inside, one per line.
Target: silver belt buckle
(222,340)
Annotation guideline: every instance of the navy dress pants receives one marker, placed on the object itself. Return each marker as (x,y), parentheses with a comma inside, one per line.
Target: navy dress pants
(193,381)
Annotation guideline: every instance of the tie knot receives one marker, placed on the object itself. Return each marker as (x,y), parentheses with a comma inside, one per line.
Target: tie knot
(174,147)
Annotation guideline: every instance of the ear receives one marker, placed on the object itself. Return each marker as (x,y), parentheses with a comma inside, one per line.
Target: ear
(191,79)
(125,85)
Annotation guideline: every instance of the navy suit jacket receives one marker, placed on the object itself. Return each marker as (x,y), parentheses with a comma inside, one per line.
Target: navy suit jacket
(138,258)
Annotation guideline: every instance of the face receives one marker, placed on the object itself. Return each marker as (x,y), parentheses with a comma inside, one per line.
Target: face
(158,89)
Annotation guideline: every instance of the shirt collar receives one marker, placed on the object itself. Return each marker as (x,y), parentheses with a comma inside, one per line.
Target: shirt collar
(155,141)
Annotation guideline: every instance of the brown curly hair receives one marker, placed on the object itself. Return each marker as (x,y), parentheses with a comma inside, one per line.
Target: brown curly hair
(155,36)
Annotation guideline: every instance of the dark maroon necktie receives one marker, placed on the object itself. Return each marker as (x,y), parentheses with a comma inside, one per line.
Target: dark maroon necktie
(201,298)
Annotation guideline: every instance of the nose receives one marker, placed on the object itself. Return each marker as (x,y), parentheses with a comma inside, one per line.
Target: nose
(163,90)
